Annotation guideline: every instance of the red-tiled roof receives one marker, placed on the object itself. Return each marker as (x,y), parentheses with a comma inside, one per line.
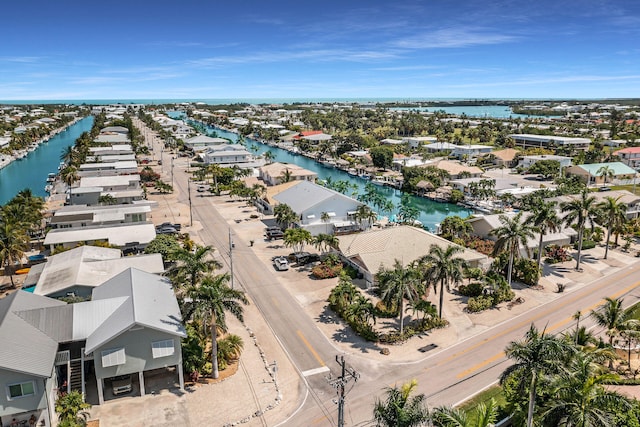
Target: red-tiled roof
(307,133)
(628,150)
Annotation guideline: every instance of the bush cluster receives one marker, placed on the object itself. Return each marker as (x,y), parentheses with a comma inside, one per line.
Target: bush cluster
(586,244)
(556,254)
(413,328)
(471,290)
(484,246)
(324,271)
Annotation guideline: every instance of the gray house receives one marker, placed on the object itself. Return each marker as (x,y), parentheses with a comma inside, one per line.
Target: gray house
(131,328)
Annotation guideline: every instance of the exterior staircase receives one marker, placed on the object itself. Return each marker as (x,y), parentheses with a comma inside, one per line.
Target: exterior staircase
(76,375)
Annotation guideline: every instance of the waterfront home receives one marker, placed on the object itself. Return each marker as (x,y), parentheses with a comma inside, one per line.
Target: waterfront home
(630,156)
(202,142)
(454,169)
(120,236)
(266,203)
(111,150)
(631,200)
(112,138)
(123,188)
(322,210)
(277,173)
(316,138)
(131,327)
(550,141)
(114,129)
(407,162)
(77,216)
(527,161)
(593,173)
(229,155)
(79,270)
(108,168)
(371,250)
(440,146)
(391,141)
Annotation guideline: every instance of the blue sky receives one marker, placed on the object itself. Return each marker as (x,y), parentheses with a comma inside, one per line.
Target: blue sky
(183,49)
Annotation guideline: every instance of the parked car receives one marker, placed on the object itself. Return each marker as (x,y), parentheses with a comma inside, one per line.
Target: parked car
(202,189)
(274,233)
(121,385)
(169,224)
(302,258)
(281,263)
(166,230)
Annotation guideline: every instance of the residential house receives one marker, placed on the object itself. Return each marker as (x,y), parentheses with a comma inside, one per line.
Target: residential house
(593,173)
(276,173)
(417,141)
(201,142)
(507,158)
(455,169)
(369,251)
(114,129)
(132,326)
(121,236)
(631,200)
(527,161)
(108,169)
(550,141)
(439,146)
(77,216)
(391,141)
(112,138)
(123,188)
(116,149)
(630,156)
(471,151)
(320,209)
(229,155)
(79,270)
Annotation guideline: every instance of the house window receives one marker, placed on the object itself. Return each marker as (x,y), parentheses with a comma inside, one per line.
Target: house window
(113,357)
(162,348)
(24,389)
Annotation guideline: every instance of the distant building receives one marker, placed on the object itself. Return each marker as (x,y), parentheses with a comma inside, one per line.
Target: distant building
(591,173)
(527,161)
(202,142)
(276,173)
(550,141)
(630,156)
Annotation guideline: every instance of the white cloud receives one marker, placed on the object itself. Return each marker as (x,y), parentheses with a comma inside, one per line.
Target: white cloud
(453,38)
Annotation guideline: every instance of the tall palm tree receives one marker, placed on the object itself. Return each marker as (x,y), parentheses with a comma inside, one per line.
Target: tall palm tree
(612,215)
(444,268)
(534,357)
(192,266)
(400,409)
(361,310)
(511,235)
(365,215)
(325,241)
(13,243)
(284,215)
(580,397)
(579,211)
(611,315)
(69,175)
(546,220)
(606,172)
(326,218)
(214,298)
(398,284)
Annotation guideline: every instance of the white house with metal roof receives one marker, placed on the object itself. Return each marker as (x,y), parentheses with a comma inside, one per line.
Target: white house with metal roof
(201,142)
(77,216)
(229,155)
(121,235)
(320,209)
(549,141)
(132,326)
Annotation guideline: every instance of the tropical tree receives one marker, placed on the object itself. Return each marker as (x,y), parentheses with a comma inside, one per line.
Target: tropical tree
(72,409)
(422,306)
(580,397)
(486,415)
(343,294)
(324,241)
(579,211)
(365,215)
(69,175)
(285,176)
(213,297)
(13,243)
(546,220)
(455,227)
(192,266)
(612,214)
(611,316)
(284,215)
(296,238)
(511,235)
(400,409)
(443,267)
(396,285)
(606,172)
(534,357)
(269,157)
(326,218)
(361,310)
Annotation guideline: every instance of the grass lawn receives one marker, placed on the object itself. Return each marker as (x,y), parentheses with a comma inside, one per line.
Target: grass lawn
(635,311)
(628,187)
(494,392)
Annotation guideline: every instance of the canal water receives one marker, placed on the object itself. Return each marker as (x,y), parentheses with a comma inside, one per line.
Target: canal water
(31,172)
(430,213)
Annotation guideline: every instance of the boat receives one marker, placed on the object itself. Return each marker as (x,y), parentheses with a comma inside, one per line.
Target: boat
(352,172)
(51,177)
(378,181)
(365,176)
(23,271)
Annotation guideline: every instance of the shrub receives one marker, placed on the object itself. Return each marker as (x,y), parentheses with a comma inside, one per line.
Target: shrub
(526,271)
(484,246)
(324,271)
(471,290)
(480,303)
(586,244)
(556,254)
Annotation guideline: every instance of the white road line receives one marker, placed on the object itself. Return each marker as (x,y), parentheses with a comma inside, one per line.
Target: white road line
(315,371)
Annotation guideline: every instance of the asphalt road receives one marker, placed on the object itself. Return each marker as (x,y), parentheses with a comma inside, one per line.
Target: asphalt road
(447,377)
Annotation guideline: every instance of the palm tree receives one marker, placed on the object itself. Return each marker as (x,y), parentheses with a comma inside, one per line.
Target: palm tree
(397,284)
(296,238)
(13,243)
(364,214)
(284,215)
(486,415)
(579,211)
(69,175)
(343,294)
(534,357)
(213,298)
(268,157)
(192,266)
(285,176)
(400,409)
(606,172)
(325,217)
(612,215)
(444,268)
(611,316)
(546,220)
(422,306)
(361,310)
(580,397)
(511,235)
(325,241)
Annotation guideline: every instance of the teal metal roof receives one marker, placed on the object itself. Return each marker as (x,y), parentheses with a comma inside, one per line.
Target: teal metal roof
(618,168)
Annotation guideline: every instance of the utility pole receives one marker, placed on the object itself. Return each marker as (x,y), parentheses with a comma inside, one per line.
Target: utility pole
(231,256)
(346,375)
(190,211)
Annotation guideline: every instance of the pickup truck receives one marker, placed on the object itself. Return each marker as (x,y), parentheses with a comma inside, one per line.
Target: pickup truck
(121,385)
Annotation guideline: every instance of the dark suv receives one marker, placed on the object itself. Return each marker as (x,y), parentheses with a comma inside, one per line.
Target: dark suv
(274,233)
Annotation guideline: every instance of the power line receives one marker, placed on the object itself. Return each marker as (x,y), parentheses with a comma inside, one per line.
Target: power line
(340,383)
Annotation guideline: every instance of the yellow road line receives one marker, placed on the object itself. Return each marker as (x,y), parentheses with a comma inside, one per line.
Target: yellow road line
(275,302)
(549,329)
(481,365)
(319,420)
(311,349)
